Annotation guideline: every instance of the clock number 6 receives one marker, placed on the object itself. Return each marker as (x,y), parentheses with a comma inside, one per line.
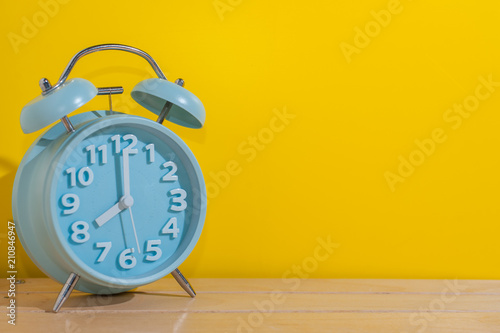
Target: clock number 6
(126,259)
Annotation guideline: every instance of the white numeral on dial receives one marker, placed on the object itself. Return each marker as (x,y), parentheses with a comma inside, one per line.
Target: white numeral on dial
(71,172)
(91,150)
(92,153)
(80,232)
(126,259)
(171,228)
(152,246)
(106,246)
(127,137)
(132,144)
(104,153)
(70,201)
(170,176)
(151,152)
(85,176)
(116,138)
(180,200)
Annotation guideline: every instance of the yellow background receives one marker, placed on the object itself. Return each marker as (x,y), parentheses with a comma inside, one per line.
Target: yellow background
(323,174)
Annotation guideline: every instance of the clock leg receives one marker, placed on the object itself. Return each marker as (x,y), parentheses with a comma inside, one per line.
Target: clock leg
(66,291)
(183,282)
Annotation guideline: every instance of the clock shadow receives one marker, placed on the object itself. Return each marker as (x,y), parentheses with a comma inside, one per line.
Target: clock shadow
(84,301)
(89,302)
(163,294)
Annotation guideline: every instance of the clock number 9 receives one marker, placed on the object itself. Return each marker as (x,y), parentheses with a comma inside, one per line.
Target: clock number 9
(70,201)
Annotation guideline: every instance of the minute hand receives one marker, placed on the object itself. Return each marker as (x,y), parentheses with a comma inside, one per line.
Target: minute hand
(126,173)
(126,188)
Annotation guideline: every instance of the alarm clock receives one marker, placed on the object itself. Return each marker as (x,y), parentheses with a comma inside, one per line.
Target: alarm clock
(103,201)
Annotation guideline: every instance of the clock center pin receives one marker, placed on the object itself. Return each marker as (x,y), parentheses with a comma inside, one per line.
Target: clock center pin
(126,202)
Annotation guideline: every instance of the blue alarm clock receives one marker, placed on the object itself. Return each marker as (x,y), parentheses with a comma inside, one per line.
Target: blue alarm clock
(103,201)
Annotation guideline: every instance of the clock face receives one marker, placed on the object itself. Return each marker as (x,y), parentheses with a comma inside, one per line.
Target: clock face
(126,200)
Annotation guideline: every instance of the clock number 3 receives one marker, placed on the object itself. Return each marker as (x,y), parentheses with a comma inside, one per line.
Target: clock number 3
(179,200)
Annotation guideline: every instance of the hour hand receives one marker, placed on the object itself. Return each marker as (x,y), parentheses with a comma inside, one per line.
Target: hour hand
(125,202)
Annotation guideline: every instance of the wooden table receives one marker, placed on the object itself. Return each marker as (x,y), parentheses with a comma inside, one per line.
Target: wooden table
(264,305)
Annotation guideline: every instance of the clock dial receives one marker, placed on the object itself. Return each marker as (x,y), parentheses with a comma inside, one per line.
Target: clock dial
(125,198)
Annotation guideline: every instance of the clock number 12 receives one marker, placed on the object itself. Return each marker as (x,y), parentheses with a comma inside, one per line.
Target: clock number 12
(127,137)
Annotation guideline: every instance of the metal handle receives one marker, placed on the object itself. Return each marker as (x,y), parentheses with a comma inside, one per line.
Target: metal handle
(103,47)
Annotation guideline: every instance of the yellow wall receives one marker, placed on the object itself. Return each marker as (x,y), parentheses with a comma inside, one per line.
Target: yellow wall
(383,142)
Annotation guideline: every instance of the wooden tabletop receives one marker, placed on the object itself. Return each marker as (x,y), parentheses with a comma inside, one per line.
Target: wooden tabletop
(263,305)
